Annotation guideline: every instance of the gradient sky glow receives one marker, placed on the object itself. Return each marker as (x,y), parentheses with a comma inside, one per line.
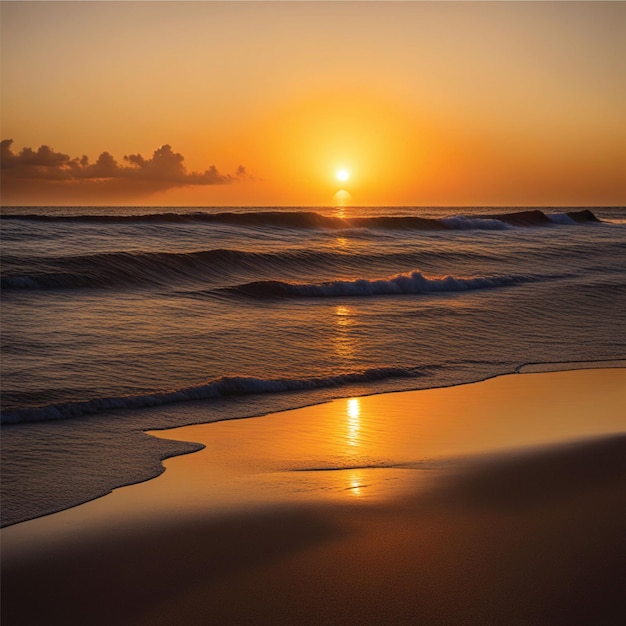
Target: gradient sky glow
(424,103)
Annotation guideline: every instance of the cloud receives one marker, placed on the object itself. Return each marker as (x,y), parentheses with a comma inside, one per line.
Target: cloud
(136,175)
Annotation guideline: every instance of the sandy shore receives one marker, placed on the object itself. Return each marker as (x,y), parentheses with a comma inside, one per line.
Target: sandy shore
(501,502)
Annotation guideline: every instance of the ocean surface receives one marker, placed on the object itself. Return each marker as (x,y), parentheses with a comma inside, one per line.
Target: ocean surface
(116,320)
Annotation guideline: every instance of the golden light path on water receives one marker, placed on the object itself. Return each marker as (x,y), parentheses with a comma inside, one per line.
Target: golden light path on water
(344,343)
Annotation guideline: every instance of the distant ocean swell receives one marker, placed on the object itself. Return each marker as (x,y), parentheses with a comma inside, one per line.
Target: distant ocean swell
(311,219)
(219,388)
(414,283)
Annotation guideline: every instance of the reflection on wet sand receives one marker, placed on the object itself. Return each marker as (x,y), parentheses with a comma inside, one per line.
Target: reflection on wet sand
(353,421)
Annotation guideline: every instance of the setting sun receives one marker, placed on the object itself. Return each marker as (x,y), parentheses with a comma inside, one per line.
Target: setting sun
(294,123)
(343,175)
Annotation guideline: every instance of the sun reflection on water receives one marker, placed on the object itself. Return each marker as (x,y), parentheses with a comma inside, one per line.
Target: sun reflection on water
(344,343)
(343,313)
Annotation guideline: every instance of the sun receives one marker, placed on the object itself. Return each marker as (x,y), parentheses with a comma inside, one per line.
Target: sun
(343,175)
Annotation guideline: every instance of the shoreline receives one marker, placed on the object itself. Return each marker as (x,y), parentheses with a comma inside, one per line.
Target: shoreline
(180,447)
(524,368)
(147,461)
(443,505)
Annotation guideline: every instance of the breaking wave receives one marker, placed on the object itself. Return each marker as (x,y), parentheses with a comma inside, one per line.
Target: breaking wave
(114,269)
(219,388)
(413,283)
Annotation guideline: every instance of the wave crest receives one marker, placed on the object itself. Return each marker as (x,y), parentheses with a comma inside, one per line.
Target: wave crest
(414,283)
(218,388)
(311,219)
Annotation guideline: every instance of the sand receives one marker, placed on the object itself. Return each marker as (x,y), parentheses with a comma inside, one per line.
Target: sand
(500,502)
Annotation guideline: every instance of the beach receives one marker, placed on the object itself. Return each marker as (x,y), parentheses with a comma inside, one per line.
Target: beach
(500,501)
(312,313)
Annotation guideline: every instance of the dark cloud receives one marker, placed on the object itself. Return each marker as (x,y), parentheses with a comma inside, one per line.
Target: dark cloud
(136,175)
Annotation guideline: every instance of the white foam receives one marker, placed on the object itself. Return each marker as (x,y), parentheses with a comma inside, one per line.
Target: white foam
(412,283)
(221,387)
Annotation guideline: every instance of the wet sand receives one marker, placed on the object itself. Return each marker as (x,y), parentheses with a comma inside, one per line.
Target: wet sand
(501,502)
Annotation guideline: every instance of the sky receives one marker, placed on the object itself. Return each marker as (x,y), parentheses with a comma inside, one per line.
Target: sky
(263,103)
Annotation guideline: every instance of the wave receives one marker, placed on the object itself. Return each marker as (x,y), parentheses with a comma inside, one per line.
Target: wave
(311,219)
(413,283)
(462,222)
(120,268)
(218,388)
(158,268)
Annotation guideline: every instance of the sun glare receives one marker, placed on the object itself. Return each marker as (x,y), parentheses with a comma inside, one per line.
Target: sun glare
(343,175)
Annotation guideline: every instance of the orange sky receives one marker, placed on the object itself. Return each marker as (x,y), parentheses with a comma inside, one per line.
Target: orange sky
(424,103)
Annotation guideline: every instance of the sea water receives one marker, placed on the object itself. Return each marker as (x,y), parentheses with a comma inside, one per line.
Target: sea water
(116,320)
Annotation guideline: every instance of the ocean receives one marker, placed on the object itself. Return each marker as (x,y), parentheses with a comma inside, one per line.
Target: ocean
(116,320)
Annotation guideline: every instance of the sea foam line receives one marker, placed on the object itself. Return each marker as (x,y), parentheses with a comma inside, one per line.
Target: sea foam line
(218,388)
